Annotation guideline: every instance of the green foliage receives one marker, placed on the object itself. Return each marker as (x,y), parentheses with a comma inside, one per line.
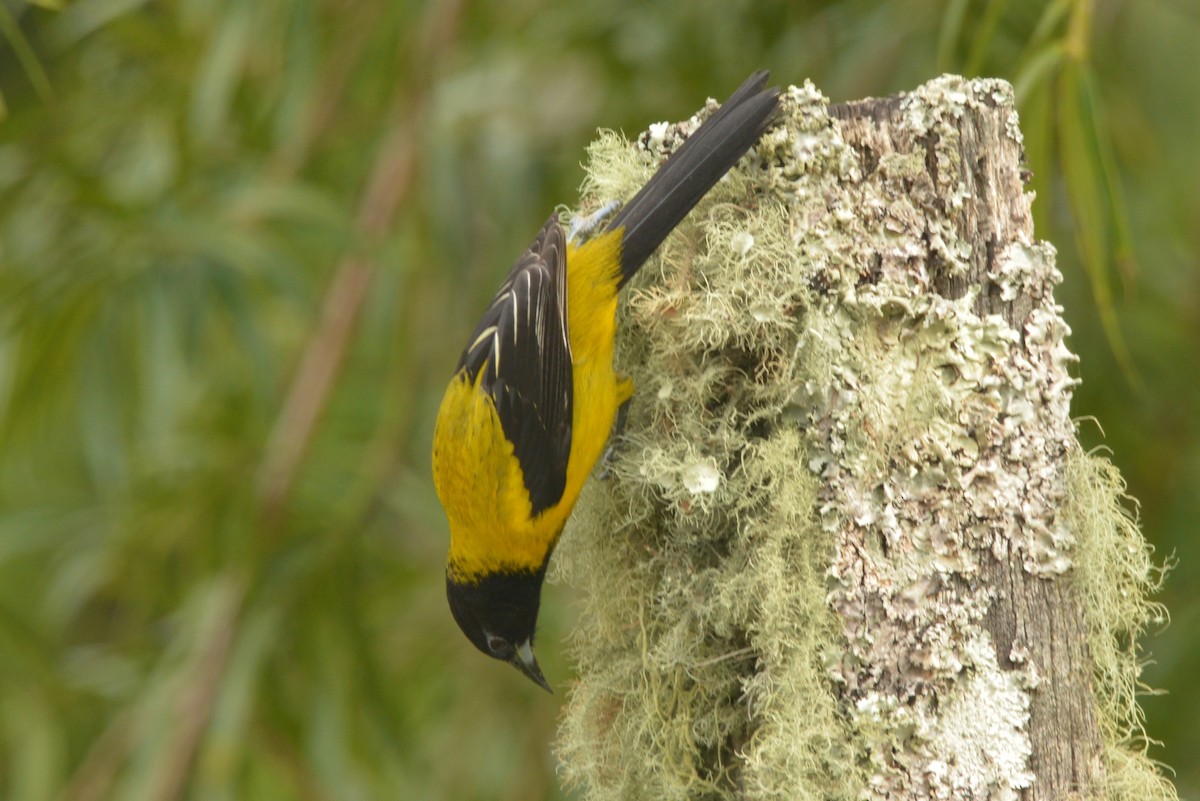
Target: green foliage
(179,182)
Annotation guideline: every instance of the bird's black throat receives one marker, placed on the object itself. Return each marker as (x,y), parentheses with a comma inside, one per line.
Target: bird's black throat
(503,604)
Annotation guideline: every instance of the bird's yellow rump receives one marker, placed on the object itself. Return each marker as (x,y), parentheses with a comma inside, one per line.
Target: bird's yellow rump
(533,399)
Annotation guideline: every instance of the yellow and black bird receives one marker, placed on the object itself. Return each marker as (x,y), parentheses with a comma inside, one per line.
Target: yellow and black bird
(534,395)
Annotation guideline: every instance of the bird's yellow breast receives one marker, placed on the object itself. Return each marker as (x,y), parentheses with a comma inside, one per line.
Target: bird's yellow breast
(479,480)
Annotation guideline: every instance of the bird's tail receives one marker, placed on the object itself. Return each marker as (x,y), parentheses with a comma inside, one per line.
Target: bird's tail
(692,170)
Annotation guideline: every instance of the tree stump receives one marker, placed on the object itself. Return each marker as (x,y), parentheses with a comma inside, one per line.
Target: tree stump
(848,545)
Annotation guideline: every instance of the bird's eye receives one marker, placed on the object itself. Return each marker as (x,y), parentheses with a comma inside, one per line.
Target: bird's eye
(499,646)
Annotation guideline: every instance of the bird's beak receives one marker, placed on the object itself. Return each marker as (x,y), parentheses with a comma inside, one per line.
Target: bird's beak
(526,662)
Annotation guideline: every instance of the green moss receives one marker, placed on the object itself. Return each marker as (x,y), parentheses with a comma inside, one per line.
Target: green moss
(705,635)
(1116,576)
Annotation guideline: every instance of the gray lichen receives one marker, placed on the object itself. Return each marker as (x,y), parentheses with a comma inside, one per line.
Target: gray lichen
(781,572)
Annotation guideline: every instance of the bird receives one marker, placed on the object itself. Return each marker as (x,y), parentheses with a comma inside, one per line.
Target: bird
(532,400)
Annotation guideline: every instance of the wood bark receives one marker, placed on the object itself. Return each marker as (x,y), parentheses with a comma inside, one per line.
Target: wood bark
(1042,614)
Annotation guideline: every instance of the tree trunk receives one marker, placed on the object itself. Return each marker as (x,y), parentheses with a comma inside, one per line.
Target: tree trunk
(848,545)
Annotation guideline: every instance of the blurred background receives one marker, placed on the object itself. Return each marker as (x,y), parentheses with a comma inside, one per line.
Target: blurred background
(240,246)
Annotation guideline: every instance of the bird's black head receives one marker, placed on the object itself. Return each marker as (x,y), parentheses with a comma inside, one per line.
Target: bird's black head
(498,614)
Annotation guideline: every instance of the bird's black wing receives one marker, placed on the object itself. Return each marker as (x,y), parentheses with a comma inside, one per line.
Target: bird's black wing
(522,346)
(691,171)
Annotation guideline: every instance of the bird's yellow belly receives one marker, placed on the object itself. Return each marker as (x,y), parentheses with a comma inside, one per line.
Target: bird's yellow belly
(489,509)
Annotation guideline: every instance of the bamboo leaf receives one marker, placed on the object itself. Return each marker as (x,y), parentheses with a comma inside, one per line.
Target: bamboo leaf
(1037,71)
(25,54)
(219,72)
(81,19)
(175,706)
(984,36)
(949,33)
(36,746)
(1051,19)
(1079,154)
(227,739)
(1093,108)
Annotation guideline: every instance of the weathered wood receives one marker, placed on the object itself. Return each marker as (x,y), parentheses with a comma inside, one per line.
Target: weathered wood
(1036,614)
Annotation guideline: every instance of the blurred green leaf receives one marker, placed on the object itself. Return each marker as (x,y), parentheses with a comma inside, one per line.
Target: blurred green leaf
(985,36)
(30,63)
(1037,72)
(949,32)
(84,17)
(1053,16)
(220,69)
(1090,193)
(33,731)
